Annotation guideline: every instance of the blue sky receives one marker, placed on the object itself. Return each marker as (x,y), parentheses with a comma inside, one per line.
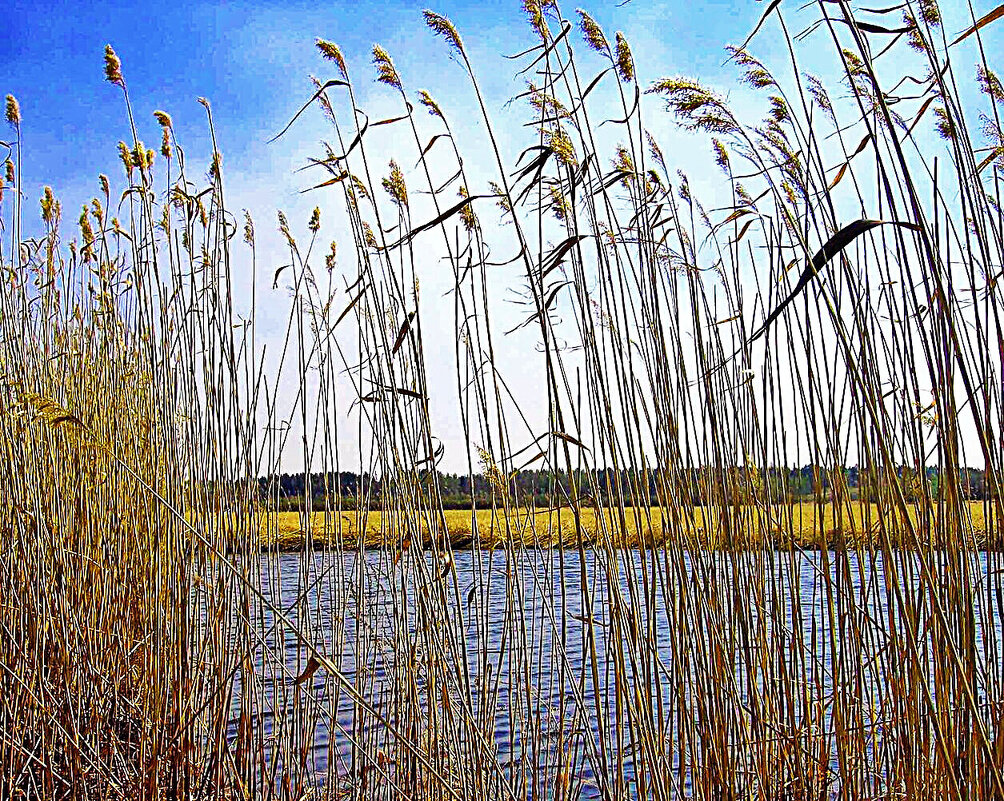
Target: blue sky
(252,61)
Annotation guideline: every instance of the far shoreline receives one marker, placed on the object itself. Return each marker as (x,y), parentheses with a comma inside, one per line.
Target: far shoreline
(802,525)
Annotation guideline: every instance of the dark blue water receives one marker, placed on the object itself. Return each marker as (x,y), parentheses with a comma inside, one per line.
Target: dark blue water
(553,655)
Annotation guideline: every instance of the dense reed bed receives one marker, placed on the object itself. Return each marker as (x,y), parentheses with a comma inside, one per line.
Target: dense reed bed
(842,308)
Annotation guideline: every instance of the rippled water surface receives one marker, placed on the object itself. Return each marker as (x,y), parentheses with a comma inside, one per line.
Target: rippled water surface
(540,662)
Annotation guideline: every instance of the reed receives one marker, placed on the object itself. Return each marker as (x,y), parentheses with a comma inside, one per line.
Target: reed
(841,308)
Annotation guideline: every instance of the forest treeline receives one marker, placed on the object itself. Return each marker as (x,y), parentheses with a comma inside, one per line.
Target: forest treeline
(544,488)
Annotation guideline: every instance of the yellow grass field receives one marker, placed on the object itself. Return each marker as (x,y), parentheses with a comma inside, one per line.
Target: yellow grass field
(808,525)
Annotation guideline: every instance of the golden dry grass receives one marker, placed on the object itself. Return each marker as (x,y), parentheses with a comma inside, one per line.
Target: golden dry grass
(808,525)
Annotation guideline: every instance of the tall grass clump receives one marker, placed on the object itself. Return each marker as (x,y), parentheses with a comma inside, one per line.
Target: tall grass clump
(119,433)
(837,306)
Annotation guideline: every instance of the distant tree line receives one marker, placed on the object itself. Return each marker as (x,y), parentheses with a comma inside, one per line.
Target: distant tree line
(543,488)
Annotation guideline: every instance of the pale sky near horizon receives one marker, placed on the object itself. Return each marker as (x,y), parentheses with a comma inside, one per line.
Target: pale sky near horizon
(252,61)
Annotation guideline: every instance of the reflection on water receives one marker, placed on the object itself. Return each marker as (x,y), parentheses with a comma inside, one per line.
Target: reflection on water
(553,654)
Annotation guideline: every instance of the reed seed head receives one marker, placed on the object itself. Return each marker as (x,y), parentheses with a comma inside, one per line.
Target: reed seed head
(759,78)
(491,470)
(684,189)
(248,228)
(8,167)
(322,98)
(125,156)
(779,109)
(50,207)
(163,118)
(855,66)
(535,14)
(818,93)
(395,186)
(359,187)
(943,123)
(284,228)
(330,260)
(13,111)
(331,52)
(386,71)
(592,33)
(914,37)
(655,150)
(695,107)
(442,26)
(756,75)
(52,413)
(314,225)
(789,193)
(559,203)
(546,104)
(368,236)
(721,155)
(652,182)
(561,145)
(502,198)
(930,13)
(624,163)
(426,100)
(467,216)
(86,234)
(113,68)
(138,156)
(216,165)
(625,61)
(990,84)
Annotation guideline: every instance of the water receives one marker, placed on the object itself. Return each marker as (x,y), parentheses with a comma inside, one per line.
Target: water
(554,679)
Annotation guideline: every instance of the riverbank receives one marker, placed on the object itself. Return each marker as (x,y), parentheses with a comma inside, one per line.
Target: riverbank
(806,525)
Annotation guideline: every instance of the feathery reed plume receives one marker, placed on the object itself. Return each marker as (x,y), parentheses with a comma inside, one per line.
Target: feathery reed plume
(990,84)
(592,33)
(50,207)
(561,144)
(248,229)
(394,185)
(50,411)
(386,72)
(426,100)
(442,26)
(930,13)
(623,58)
(534,10)
(113,68)
(721,155)
(13,111)
(695,107)
(332,53)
